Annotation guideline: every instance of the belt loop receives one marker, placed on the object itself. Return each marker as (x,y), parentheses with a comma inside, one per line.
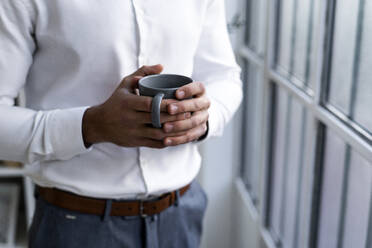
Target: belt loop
(177,196)
(142,210)
(108,205)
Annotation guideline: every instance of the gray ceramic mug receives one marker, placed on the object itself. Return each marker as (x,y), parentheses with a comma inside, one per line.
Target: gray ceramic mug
(161,86)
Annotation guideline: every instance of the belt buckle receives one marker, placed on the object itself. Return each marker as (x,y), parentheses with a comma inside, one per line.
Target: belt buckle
(142,214)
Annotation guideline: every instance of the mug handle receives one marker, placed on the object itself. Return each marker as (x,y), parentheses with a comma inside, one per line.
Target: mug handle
(155,110)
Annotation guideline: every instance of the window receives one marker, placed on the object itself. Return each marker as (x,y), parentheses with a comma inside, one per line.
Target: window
(307,151)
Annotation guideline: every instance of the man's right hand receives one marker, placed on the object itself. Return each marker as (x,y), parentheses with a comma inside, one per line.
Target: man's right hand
(125,117)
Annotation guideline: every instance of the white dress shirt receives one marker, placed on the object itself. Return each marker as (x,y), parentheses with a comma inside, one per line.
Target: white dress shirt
(69,55)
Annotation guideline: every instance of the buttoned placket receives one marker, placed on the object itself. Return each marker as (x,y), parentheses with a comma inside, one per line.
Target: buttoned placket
(139,15)
(141,60)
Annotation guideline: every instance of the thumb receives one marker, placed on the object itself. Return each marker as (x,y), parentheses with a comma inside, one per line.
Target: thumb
(130,83)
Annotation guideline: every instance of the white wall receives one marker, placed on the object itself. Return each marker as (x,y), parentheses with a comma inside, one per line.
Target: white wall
(220,163)
(221,160)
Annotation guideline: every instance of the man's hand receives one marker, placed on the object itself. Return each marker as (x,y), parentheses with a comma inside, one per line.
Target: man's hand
(125,117)
(198,105)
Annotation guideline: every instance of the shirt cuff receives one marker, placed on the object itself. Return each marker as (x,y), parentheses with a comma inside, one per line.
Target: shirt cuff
(67,137)
(214,124)
(201,138)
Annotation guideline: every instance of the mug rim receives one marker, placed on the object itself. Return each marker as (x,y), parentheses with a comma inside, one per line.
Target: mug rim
(140,82)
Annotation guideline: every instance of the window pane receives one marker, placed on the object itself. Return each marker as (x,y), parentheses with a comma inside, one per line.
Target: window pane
(285,34)
(287,210)
(331,191)
(294,162)
(358,200)
(363,103)
(261,9)
(278,161)
(251,170)
(303,214)
(255,78)
(295,44)
(315,36)
(343,54)
(301,40)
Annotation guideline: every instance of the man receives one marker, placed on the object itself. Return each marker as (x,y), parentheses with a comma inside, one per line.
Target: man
(104,177)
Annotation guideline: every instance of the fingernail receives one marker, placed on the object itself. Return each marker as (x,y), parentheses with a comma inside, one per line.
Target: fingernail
(168,142)
(180,94)
(187,115)
(173,108)
(168,127)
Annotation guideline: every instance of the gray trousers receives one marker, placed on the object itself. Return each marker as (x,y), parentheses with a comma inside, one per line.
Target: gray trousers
(178,226)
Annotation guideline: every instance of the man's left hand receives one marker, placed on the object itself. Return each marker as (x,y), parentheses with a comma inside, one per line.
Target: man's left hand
(192,99)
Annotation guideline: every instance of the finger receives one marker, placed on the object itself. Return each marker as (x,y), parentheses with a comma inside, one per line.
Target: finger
(148,70)
(139,103)
(190,136)
(145,117)
(156,133)
(197,119)
(151,143)
(165,103)
(190,90)
(191,105)
(165,117)
(143,103)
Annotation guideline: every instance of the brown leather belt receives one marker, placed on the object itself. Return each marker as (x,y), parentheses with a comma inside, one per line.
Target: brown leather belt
(96,206)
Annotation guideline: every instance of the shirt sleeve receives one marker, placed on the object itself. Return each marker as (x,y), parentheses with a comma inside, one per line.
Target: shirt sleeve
(216,67)
(26,135)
